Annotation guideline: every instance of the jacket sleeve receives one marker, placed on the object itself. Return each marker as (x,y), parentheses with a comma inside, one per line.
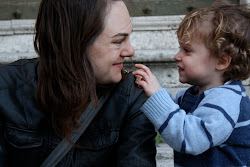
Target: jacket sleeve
(137,138)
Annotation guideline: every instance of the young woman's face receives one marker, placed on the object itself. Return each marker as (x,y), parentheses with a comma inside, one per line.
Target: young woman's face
(196,65)
(113,45)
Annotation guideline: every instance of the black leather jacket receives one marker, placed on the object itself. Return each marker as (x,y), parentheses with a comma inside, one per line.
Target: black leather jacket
(120,134)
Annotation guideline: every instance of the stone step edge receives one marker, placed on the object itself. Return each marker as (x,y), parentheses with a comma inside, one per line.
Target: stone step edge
(142,23)
(141,56)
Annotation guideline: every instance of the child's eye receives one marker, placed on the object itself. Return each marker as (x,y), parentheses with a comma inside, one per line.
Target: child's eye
(186,50)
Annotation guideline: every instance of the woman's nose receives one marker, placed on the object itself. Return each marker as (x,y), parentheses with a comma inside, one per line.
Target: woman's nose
(128,51)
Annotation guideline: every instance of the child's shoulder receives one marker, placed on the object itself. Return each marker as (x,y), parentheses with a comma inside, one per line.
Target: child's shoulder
(234,84)
(230,87)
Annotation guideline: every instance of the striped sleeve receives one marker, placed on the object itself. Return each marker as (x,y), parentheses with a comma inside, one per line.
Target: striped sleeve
(210,124)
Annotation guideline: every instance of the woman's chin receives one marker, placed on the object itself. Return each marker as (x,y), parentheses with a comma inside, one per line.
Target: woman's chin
(117,78)
(110,80)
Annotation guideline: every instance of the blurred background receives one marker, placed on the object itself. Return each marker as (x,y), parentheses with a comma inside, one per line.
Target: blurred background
(27,9)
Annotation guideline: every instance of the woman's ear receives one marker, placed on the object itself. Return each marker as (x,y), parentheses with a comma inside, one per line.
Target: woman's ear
(223,62)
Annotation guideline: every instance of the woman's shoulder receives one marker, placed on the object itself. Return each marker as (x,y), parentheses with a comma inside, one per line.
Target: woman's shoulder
(128,86)
(16,74)
(17,93)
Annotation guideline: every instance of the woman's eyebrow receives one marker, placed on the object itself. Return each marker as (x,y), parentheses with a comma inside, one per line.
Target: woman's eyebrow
(120,34)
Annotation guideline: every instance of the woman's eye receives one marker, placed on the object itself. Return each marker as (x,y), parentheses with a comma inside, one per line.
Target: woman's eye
(119,41)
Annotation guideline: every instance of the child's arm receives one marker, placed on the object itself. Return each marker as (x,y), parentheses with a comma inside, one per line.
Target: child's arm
(209,125)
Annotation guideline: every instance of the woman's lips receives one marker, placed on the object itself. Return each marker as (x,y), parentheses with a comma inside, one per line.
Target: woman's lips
(118,65)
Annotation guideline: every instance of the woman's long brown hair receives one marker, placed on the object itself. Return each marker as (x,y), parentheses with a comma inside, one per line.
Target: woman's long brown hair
(64,31)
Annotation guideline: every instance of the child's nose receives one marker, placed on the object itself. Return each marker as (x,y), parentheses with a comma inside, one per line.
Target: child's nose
(177,57)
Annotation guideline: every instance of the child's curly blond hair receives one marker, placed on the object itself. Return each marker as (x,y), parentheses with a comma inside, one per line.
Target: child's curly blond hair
(223,29)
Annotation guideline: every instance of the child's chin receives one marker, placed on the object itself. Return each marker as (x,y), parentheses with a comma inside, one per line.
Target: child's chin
(183,82)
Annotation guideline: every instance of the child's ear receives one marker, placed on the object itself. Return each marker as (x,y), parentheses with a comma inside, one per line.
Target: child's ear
(223,62)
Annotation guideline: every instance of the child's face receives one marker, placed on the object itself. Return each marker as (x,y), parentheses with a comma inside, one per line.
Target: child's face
(196,65)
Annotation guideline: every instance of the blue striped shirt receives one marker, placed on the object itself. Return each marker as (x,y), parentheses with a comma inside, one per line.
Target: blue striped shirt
(210,129)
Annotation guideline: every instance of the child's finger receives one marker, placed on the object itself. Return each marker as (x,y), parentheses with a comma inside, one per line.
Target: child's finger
(141,73)
(145,68)
(141,84)
(138,78)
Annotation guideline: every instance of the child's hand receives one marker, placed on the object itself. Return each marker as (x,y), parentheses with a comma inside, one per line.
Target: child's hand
(146,79)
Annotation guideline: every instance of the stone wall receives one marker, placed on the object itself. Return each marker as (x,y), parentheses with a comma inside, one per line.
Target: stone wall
(28,9)
(153,37)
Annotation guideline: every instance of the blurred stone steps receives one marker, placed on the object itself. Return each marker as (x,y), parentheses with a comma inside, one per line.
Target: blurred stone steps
(164,156)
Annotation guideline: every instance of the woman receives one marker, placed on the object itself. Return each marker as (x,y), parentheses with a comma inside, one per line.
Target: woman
(81,46)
